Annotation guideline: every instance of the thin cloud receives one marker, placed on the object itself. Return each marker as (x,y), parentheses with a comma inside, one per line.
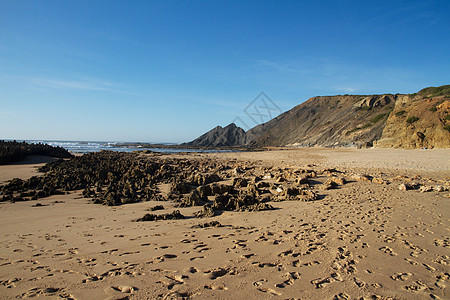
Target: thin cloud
(346,89)
(65,84)
(77,83)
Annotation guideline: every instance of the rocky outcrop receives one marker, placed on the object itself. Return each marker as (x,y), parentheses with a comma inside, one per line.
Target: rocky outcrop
(228,136)
(12,151)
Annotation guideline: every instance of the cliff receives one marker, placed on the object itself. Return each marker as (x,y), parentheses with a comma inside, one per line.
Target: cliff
(402,121)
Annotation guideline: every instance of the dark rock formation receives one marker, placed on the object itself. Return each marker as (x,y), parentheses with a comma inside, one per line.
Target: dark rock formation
(230,135)
(13,151)
(175,215)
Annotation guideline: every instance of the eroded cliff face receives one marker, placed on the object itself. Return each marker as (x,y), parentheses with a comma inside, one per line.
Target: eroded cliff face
(418,121)
(327,121)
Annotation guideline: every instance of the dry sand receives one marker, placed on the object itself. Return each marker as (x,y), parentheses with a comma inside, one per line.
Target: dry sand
(361,240)
(23,169)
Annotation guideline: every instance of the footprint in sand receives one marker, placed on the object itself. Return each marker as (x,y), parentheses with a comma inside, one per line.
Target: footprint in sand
(401,276)
(341,296)
(196,257)
(387,250)
(215,273)
(441,279)
(46,292)
(321,282)
(291,277)
(428,267)
(417,287)
(359,282)
(269,291)
(259,282)
(10,283)
(220,287)
(124,289)
(412,262)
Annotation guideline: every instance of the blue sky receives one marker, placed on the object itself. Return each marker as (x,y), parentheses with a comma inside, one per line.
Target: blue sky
(167,71)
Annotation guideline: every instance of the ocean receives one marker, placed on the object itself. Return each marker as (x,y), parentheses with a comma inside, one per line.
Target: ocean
(88,147)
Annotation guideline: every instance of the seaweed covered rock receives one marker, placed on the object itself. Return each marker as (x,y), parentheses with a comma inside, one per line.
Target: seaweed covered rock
(202,179)
(208,224)
(239,202)
(175,215)
(109,178)
(193,199)
(11,151)
(206,212)
(297,194)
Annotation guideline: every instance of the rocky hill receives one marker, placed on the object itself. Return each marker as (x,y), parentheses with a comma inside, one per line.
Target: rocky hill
(406,121)
(327,121)
(228,136)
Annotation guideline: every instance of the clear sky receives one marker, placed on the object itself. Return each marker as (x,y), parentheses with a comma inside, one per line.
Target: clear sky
(167,71)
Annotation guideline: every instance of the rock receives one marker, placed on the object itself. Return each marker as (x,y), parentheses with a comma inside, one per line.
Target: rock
(180,188)
(327,186)
(292,191)
(175,215)
(157,207)
(205,191)
(303,180)
(440,188)
(256,179)
(237,171)
(405,187)
(258,207)
(240,182)
(126,289)
(202,179)
(12,151)
(193,199)
(206,212)
(126,200)
(268,176)
(338,180)
(221,189)
(262,184)
(365,145)
(362,177)
(207,224)
(379,180)
(281,179)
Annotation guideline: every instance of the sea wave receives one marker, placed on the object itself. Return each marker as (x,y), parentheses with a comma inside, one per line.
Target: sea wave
(93,146)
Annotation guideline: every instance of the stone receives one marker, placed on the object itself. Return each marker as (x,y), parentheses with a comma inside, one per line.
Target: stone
(240,182)
(362,177)
(405,187)
(206,212)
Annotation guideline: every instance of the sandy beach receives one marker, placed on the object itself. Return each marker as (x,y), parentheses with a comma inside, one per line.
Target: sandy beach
(362,238)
